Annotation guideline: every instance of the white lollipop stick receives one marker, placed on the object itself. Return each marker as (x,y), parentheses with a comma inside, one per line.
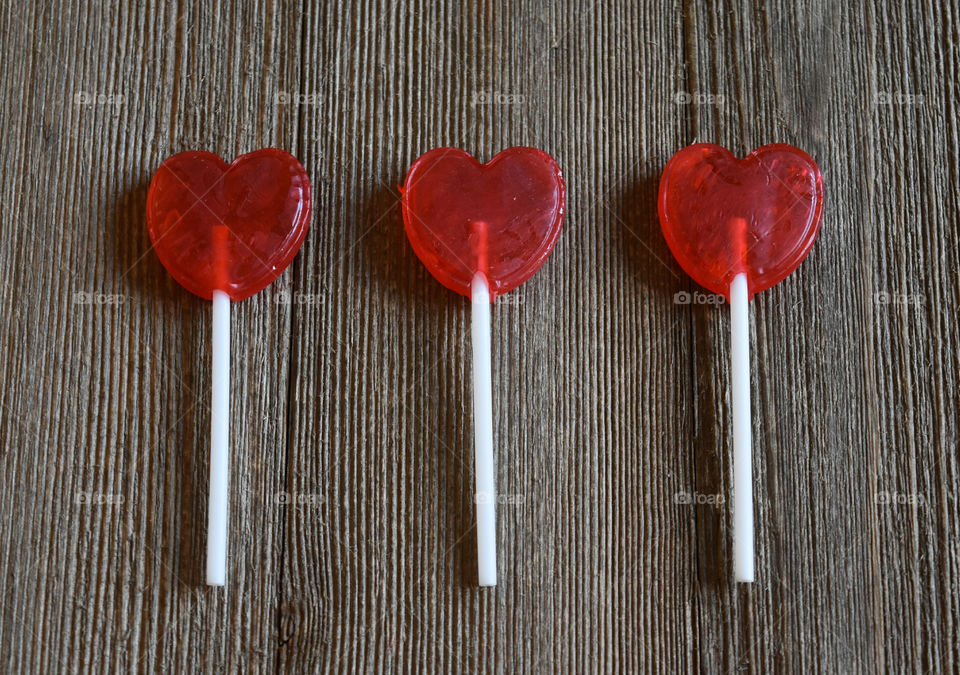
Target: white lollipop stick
(483,434)
(742,451)
(219,443)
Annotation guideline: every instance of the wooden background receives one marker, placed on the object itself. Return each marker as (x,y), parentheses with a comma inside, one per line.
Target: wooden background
(352,542)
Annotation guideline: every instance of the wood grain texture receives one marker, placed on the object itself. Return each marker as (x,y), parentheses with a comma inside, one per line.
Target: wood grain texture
(352,542)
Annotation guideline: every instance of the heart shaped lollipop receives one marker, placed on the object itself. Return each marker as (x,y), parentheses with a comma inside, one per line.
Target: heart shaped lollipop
(230,227)
(722,216)
(225,232)
(738,227)
(501,218)
(482,230)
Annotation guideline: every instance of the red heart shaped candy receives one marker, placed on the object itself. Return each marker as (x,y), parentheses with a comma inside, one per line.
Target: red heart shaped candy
(501,218)
(758,215)
(231,227)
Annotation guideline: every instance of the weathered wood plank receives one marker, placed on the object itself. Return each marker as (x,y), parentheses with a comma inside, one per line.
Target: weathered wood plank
(107,397)
(392,556)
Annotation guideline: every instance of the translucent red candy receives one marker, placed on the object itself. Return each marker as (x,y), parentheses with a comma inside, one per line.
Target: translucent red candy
(501,218)
(230,227)
(758,215)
